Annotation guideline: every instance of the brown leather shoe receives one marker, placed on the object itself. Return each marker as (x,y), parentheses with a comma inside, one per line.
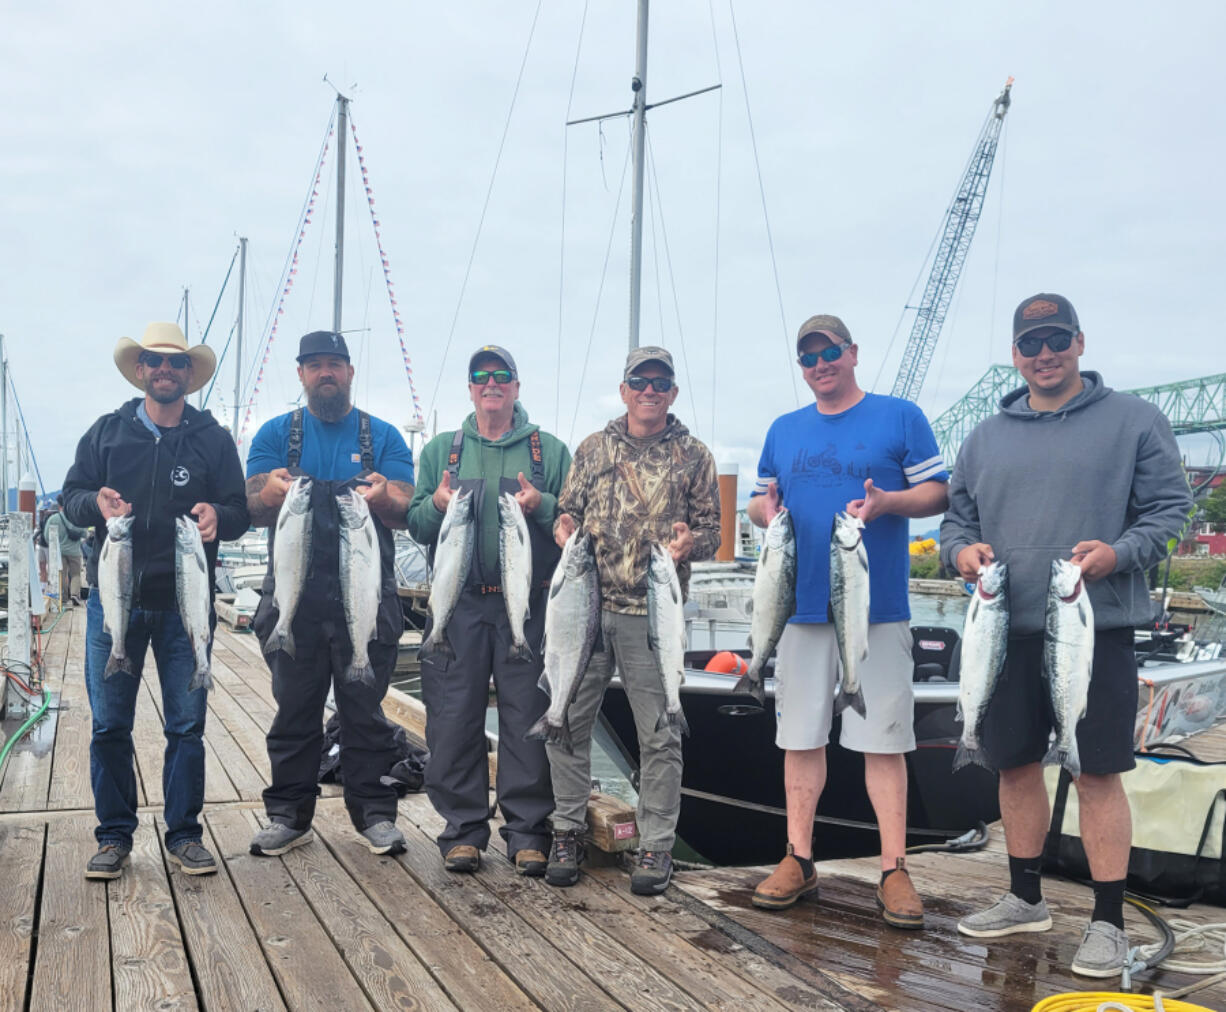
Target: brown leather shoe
(463,857)
(531,863)
(785,885)
(899,902)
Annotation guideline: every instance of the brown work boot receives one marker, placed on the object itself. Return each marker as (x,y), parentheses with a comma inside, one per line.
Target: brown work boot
(785,885)
(900,903)
(530,862)
(463,858)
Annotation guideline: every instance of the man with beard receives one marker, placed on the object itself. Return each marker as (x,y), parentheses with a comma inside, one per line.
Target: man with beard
(339,447)
(156,459)
(495,452)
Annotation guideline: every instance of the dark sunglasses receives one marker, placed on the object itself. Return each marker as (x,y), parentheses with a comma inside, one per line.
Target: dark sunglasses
(660,384)
(1030,345)
(154,360)
(480,377)
(829,354)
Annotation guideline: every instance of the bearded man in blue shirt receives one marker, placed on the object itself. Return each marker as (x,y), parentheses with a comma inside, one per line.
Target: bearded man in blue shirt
(339,447)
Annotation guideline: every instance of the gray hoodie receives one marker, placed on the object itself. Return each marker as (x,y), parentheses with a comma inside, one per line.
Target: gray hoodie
(1104,467)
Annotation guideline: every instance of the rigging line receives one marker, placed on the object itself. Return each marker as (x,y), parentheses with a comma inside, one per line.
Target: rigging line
(907,305)
(204,338)
(719,173)
(770,241)
(25,428)
(574,76)
(599,292)
(472,256)
(672,280)
(1000,220)
(220,359)
(270,324)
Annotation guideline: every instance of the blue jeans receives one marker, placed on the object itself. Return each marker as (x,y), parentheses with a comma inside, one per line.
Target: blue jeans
(113,702)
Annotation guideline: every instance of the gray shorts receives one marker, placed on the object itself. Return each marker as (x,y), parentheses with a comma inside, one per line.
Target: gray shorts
(807,675)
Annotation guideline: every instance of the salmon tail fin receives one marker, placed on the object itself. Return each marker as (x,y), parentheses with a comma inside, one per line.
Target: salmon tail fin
(853,699)
(281,639)
(1066,757)
(542,683)
(671,719)
(751,686)
(538,731)
(114,664)
(966,756)
(520,651)
(202,678)
(364,673)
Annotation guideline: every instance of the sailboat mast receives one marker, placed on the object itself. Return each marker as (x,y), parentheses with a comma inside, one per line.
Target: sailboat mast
(639,87)
(242,306)
(342,127)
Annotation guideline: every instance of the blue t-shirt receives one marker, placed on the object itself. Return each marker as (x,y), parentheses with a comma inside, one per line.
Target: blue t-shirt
(330,449)
(820,463)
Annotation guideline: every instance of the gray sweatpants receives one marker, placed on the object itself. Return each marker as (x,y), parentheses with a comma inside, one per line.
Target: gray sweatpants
(625,646)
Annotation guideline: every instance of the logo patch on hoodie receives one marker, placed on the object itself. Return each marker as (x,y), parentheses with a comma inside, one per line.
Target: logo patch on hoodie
(180,476)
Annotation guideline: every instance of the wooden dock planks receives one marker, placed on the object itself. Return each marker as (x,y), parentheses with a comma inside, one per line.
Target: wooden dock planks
(22,850)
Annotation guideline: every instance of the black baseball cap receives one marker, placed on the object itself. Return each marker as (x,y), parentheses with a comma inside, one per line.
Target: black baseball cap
(1044,310)
(322,342)
(493,351)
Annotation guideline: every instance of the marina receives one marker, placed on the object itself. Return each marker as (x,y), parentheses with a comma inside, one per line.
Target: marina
(330,925)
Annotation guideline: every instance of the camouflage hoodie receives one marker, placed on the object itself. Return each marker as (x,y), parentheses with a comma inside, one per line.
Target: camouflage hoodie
(628,493)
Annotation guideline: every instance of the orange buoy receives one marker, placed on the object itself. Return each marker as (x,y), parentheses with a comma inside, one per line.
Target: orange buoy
(727,663)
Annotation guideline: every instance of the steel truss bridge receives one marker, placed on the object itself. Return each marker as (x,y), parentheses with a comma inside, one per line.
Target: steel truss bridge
(1192,406)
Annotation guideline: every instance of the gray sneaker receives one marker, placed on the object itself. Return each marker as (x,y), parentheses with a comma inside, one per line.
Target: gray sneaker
(193,859)
(652,873)
(109,861)
(1102,952)
(384,838)
(276,838)
(1007,916)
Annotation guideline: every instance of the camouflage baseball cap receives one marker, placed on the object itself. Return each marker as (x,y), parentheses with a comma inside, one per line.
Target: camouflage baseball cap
(828,326)
(645,354)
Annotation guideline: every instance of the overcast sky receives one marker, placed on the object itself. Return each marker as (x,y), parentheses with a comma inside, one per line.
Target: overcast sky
(140,140)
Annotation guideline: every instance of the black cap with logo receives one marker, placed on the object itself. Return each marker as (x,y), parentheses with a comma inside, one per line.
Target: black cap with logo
(1044,310)
(322,342)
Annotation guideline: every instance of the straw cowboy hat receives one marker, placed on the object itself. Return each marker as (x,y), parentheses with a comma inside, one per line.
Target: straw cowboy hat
(165,339)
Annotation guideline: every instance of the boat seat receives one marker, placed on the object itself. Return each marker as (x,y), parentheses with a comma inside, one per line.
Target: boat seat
(935,652)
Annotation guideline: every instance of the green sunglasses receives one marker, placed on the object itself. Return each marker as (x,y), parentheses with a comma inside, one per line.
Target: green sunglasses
(480,377)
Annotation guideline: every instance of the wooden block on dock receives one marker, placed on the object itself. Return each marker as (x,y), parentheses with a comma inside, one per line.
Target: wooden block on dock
(231,615)
(611,824)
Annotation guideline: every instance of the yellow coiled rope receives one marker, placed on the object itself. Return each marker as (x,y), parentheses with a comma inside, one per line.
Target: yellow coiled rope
(1114,1001)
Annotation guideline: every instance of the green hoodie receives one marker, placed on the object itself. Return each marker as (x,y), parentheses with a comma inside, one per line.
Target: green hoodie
(491,459)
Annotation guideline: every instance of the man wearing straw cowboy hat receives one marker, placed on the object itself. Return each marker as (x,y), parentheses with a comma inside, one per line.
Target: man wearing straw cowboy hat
(155,458)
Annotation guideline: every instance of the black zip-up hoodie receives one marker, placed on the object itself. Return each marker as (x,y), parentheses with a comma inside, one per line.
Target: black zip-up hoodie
(162,478)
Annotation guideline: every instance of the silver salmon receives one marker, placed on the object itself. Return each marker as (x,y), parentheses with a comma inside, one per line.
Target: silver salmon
(666,633)
(192,588)
(572,623)
(115,590)
(1068,658)
(291,559)
(985,636)
(515,559)
(361,581)
(452,558)
(774,601)
(849,606)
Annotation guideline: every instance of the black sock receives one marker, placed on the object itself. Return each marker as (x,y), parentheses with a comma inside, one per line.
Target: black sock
(806,865)
(1109,903)
(1025,878)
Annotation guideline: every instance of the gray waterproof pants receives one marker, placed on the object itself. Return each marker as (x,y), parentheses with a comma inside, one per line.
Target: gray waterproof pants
(456,694)
(625,646)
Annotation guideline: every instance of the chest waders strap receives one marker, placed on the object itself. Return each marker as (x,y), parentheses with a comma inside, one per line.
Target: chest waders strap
(534,451)
(366,443)
(294,456)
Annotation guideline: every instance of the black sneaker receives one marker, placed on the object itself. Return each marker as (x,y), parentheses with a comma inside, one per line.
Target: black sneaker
(564,858)
(109,861)
(652,874)
(193,859)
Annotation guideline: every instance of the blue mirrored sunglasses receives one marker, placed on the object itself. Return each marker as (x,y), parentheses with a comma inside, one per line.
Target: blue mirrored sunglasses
(480,377)
(832,353)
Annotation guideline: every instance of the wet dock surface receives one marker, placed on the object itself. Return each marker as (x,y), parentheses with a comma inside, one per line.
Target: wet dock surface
(330,925)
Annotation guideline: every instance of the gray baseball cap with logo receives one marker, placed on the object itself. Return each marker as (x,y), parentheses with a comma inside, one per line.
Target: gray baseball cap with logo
(648,353)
